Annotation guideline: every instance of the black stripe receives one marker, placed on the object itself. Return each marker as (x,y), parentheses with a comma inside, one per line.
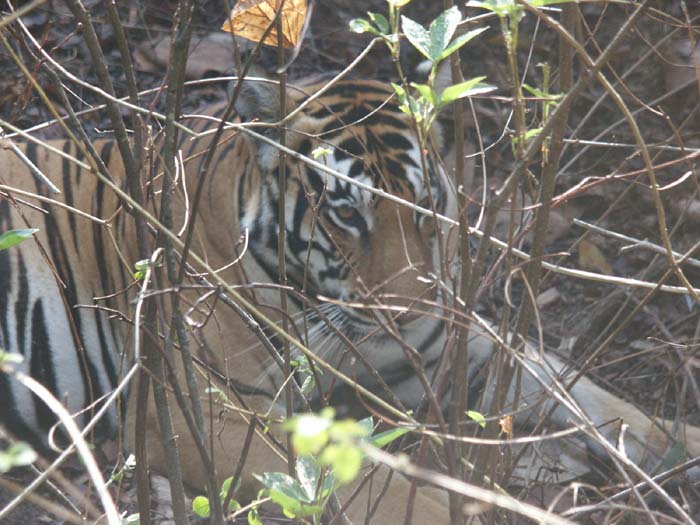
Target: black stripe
(5,277)
(430,339)
(10,416)
(21,305)
(41,365)
(396,141)
(61,261)
(103,427)
(68,192)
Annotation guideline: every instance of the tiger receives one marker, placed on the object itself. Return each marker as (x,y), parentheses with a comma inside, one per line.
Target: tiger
(364,256)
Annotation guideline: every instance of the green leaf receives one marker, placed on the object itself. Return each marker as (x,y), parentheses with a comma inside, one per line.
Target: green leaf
(8,357)
(468,88)
(544,3)
(427,92)
(132,519)
(254,517)
(500,7)
(441,31)
(380,21)
(417,36)
(14,237)
(531,133)
(478,417)
(367,423)
(535,92)
(308,473)
(201,507)
(345,459)
(141,267)
(460,41)
(19,454)
(400,92)
(384,438)
(321,151)
(360,25)
(289,494)
(348,429)
(225,487)
(309,432)
(286,485)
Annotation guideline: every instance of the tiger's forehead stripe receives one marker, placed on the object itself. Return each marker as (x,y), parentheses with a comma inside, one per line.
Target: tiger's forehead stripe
(366,127)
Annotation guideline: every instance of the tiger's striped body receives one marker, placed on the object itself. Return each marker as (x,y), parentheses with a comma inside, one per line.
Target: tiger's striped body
(73,350)
(354,249)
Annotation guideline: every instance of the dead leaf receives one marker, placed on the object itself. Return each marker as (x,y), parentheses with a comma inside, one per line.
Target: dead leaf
(591,258)
(251,18)
(506,423)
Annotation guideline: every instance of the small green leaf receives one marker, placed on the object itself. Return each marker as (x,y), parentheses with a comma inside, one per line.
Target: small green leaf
(286,485)
(477,417)
(360,25)
(380,21)
(441,31)
(132,519)
(141,268)
(535,92)
(14,237)
(367,423)
(321,151)
(348,429)
(468,88)
(308,473)
(417,35)
(530,133)
(460,41)
(427,92)
(384,438)
(226,486)
(201,507)
(254,517)
(544,3)
(309,432)
(19,454)
(400,92)
(345,459)
(11,358)
(500,7)
(289,494)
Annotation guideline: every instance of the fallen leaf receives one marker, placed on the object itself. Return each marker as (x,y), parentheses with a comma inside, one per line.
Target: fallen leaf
(506,423)
(251,18)
(591,258)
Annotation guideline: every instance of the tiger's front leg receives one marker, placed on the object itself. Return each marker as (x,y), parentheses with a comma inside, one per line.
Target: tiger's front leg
(371,503)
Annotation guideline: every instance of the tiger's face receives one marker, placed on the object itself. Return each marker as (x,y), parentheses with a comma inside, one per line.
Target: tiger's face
(371,263)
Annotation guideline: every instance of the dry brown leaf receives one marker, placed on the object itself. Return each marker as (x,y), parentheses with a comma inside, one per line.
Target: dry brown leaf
(591,258)
(251,18)
(506,423)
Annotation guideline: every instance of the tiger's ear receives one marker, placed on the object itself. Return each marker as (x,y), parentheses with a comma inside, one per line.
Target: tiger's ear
(258,100)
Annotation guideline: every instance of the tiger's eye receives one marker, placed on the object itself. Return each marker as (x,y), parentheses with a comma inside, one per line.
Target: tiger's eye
(345,212)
